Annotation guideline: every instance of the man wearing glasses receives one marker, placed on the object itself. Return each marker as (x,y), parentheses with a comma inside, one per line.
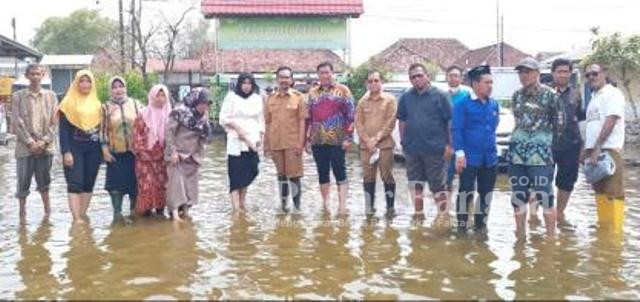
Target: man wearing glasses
(605,133)
(424,113)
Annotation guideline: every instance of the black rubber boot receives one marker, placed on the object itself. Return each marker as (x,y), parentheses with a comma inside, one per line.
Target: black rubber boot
(132,204)
(479,222)
(370,197)
(283,184)
(390,196)
(298,192)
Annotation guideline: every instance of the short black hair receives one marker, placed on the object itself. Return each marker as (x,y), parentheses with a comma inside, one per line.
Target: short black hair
(561,62)
(374,71)
(454,67)
(417,65)
(476,73)
(32,66)
(282,68)
(325,64)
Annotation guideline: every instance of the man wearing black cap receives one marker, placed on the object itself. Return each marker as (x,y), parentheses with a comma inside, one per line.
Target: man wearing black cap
(539,116)
(475,120)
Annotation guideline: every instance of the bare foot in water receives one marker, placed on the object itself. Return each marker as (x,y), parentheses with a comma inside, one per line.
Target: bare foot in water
(326,208)
(185,213)
(175,215)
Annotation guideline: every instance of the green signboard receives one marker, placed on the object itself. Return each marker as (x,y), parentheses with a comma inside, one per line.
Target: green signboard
(283,33)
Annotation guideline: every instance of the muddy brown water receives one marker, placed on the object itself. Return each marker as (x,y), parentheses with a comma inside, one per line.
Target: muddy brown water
(263,254)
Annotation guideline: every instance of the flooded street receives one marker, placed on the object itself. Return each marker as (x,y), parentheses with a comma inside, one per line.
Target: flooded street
(265,255)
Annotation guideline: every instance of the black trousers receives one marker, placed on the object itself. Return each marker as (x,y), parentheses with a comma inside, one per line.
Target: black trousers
(475,179)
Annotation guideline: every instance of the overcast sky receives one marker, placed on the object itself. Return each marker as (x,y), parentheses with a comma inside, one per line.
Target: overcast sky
(532,26)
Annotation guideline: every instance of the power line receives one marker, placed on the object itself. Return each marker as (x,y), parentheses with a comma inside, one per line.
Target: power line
(519,27)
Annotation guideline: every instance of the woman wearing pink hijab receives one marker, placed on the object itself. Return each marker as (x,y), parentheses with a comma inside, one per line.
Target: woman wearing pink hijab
(148,145)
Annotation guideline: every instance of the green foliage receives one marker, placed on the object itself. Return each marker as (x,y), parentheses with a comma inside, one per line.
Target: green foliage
(135,85)
(621,56)
(617,53)
(433,69)
(270,78)
(219,91)
(505,103)
(357,80)
(82,32)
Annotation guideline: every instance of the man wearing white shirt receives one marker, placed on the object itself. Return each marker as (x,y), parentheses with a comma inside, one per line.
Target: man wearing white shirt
(605,133)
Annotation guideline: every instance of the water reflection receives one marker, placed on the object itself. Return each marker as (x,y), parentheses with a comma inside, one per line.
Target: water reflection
(85,262)
(35,264)
(265,255)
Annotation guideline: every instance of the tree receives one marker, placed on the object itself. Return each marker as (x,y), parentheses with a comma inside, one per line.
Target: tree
(433,68)
(143,41)
(167,50)
(136,87)
(196,39)
(357,81)
(621,56)
(82,32)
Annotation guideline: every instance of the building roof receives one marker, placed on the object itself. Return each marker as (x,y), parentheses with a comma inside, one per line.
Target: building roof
(11,48)
(401,54)
(575,56)
(235,8)
(67,60)
(543,55)
(179,65)
(254,60)
(488,55)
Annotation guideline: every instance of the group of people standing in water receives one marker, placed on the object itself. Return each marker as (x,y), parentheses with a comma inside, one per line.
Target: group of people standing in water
(153,152)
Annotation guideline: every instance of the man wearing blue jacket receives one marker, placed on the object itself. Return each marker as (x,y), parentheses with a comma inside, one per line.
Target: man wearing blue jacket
(475,120)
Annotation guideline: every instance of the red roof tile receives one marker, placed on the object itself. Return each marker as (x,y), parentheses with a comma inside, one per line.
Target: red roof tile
(489,55)
(228,8)
(254,60)
(400,55)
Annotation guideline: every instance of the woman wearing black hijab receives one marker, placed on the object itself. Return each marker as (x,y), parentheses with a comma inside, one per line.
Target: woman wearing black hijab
(242,117)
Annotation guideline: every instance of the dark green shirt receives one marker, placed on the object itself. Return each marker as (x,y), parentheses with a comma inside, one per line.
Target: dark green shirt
(539,116)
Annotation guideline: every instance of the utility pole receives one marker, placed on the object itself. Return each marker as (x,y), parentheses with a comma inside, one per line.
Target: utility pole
(498,47)
(501,40)
(15,39)
(134,31)
(122,55)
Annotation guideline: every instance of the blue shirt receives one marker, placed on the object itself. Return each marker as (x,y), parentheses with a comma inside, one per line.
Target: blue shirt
(462,93)
(426,116)
(474,131)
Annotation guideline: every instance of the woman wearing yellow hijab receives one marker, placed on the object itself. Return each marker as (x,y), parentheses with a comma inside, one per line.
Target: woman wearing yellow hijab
(80,117)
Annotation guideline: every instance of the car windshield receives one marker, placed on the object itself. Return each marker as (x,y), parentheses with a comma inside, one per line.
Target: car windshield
(396,92)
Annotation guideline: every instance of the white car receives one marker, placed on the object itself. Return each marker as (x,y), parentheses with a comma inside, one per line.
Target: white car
(503,133)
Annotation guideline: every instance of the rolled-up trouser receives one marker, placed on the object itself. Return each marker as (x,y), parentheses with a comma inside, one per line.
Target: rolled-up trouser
(330,158)
(81,177)
(612,186)
(384,165)
(26,167)
(527,180)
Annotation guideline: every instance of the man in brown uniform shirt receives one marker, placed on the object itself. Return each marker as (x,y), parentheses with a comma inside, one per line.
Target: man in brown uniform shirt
(375,120)
(285,115)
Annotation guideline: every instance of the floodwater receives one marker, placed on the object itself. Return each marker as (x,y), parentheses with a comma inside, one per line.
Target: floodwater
(263,254)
